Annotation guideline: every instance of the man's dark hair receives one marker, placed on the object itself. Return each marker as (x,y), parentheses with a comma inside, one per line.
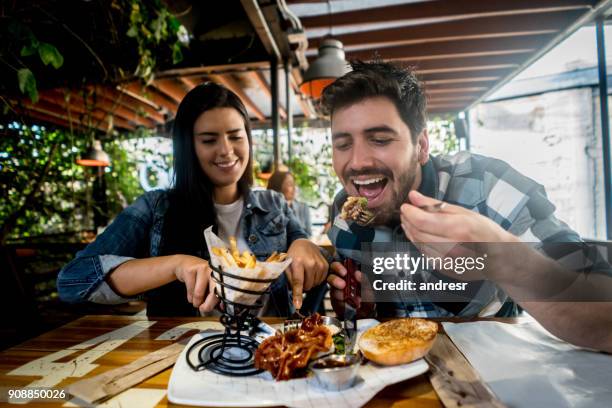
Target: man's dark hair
(374,79)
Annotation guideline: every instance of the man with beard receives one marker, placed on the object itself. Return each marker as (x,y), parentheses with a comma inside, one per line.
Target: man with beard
(381,152)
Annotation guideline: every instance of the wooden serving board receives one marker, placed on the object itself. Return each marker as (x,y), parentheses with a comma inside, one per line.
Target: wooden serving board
(455,380)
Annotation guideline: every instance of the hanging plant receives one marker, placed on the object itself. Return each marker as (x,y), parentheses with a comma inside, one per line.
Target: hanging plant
(30,47)
(152,25)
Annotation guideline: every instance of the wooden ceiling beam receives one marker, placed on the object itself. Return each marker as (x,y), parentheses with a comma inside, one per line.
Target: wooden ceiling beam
(232,85)
(117,109)
(136,91)
(441,70)
(36,116)
(151,94)
(445,91)
(98,119)
(488,27)
(442,9)
(263,84)
(449,98)
(214,69)
(190,82)
(113,107)
(441,57)
(490,79)
(458,49)
(133,104)
(170,88)
(458,75)
(467,63)
(446,87)
(77,104)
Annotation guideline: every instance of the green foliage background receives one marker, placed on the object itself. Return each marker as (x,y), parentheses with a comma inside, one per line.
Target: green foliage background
(311,161)
(34,156)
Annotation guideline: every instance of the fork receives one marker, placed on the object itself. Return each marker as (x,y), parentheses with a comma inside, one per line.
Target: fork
(434,208)
(365,219)
(293,322)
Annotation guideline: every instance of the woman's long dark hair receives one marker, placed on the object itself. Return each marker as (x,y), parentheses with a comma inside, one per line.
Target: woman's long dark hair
(191,208)
(190,180)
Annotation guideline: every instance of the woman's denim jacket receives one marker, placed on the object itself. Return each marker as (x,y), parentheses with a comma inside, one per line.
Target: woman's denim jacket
(267,222)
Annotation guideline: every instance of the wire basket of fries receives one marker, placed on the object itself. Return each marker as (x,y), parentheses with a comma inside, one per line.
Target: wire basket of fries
(244,279)
(241,281)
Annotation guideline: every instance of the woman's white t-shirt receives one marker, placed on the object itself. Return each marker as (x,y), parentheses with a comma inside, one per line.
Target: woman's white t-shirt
(228,219)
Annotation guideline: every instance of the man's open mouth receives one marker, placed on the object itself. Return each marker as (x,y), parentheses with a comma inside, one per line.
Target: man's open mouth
(371,187)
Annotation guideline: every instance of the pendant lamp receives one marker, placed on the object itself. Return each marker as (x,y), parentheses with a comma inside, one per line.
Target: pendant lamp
(329,65)
(95,156)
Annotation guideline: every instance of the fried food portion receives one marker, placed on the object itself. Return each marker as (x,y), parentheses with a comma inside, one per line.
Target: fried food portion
(232,256)
(356,209)
(398,341)
(285,353)
(277,257)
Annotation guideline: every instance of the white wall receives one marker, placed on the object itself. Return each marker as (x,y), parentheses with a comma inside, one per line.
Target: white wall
(547,137)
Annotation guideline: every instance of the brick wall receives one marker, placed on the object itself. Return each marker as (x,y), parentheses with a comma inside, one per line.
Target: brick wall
(554,139)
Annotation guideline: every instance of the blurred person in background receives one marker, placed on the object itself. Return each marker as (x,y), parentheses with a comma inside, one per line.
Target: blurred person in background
(284,182)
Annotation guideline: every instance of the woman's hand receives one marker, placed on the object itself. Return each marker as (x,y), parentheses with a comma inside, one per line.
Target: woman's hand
(308,268)
(195,273)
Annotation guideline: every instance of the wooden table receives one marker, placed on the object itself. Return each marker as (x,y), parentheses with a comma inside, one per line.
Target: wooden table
(94,344)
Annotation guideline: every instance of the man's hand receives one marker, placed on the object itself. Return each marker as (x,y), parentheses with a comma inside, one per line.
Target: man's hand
(308,268)
(195,273)
(364,304)
(452,224)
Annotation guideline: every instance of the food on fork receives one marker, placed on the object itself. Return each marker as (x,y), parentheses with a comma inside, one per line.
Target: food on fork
(284,354)
(398,341)
(356,209)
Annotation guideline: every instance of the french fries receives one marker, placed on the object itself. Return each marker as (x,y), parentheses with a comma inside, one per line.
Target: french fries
(277,257)
(233,258)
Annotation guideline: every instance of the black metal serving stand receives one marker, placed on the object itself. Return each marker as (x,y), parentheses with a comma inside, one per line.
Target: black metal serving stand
(231,352)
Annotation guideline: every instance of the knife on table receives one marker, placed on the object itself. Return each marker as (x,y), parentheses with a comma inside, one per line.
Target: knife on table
(351,292)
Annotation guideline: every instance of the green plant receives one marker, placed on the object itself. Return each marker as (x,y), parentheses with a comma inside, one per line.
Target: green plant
(152,25)
(20,52)
(310,163)
(442,137)
(143,32)
(44,191)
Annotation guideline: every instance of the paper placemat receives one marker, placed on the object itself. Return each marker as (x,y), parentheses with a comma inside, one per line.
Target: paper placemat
(206,388)
(528,367)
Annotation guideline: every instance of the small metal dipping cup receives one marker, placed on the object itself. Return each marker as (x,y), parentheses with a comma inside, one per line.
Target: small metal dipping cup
(332,322)
(336,378)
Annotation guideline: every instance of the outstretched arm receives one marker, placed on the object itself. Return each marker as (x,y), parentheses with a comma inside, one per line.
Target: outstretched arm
(526,275)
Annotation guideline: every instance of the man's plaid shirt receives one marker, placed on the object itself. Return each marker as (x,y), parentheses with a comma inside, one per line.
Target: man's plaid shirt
(488,186)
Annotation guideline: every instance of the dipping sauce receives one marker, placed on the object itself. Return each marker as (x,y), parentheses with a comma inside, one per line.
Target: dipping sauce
(336,372)
(331,364)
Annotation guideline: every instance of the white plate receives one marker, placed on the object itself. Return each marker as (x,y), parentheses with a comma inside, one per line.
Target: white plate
(206,388)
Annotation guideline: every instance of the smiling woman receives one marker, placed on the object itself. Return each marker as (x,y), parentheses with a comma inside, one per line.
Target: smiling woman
(156,248)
